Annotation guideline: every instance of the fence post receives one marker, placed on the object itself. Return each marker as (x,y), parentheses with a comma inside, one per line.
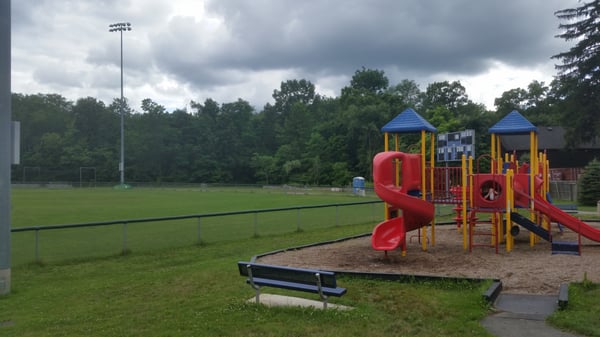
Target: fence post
(199,230)
(37,246)
(124,238)
(337,215)
(373,213)
(255,224)
(297,219)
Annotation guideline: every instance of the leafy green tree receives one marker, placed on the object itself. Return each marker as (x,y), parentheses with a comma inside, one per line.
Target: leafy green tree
(292,92)
(152,144)
(579,73)
(50,150)
(408,93)
(364,109)
(450,95)
(513,99)
(444,120)
(366,87)
(341,176)
(266,124)
(535,103)
(235,141)
(302,137)
(290,166)
(95,125)
(369,80)
(293,103)
(185,131)
(40,114)
(264,166)
(315,147)
(151,107)
(205,156)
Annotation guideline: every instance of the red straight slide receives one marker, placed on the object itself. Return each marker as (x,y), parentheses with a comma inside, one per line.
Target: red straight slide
(565,219)
(416,212)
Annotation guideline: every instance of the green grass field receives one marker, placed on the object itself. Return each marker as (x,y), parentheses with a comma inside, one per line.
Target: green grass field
(185,289)
(33,207)
(39,207)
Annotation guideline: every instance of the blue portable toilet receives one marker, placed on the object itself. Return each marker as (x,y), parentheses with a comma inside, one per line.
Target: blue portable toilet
(358,186)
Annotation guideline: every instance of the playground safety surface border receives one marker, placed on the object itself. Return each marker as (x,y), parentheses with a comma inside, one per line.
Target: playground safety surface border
(516,314)
(525,270)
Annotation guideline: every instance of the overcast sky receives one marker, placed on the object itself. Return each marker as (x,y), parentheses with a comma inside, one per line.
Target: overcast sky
(182,50)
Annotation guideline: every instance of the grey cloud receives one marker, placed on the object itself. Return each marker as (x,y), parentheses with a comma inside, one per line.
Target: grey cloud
(313,39)
(338,37)
(59,76)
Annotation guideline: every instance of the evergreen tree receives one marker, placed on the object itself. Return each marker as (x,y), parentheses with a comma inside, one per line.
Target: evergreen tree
(580,72)
(589,184)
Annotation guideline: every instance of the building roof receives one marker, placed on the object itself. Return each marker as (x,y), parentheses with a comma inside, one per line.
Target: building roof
(549,138)
(408,121)
(513,123)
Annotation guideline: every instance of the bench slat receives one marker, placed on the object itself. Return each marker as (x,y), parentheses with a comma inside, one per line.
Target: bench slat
(308,280)
(298,286)
(288,274)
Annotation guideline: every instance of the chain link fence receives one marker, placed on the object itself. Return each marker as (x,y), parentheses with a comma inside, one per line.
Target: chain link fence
(66,242)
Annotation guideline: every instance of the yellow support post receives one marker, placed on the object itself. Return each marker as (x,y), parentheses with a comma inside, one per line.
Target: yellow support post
(540,159)
(423,164)
(397,161)
(545,189)
(423,185)
(546,173)
(493,152)
(464,201)
(386,142)
(532,171)
(499,153)
(471,181)
(431,182)
(509,205)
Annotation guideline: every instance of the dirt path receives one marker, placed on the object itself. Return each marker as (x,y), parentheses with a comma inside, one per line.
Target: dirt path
(531,270)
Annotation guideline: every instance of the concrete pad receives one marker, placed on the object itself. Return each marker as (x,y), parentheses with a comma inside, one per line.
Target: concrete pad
(523,315)
(527,306)
(511,327)
(272,300)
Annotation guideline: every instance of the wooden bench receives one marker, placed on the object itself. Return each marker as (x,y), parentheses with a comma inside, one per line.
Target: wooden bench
(307,280)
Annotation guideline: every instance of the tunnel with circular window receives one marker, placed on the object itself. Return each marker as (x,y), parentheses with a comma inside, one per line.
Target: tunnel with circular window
(490,192)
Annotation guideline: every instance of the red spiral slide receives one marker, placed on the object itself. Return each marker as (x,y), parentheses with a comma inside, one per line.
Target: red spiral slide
(416,212)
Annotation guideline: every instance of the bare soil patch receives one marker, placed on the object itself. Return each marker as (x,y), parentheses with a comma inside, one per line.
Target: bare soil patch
(530,270)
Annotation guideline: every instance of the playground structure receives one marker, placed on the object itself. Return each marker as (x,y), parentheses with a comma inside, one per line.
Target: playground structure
(411,185)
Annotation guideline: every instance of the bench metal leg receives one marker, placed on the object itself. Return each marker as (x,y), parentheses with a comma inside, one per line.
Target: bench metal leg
(323,296)
(254,286)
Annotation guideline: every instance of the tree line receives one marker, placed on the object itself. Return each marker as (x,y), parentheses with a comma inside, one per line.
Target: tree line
(300,138)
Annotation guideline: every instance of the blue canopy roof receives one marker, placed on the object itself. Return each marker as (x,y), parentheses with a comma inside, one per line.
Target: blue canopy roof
(513,123)
(408,121)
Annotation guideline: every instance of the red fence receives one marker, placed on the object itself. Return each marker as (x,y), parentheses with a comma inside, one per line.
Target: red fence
(447,182)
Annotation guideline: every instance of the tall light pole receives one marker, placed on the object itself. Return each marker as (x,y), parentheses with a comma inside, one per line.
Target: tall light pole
(121,27)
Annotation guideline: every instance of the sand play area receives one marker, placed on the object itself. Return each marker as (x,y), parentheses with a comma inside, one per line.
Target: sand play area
(526,269)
